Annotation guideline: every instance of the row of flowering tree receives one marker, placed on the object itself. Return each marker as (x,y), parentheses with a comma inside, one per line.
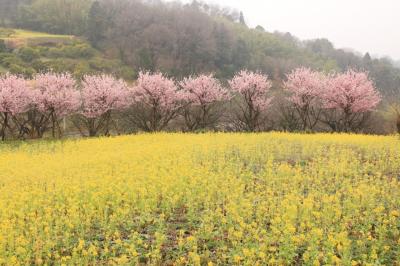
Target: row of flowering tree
(31,108)
(341,102)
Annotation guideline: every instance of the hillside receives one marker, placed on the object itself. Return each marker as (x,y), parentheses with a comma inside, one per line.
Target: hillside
(29,52)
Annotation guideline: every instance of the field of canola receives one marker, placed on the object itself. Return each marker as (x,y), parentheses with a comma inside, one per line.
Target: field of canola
(207,199)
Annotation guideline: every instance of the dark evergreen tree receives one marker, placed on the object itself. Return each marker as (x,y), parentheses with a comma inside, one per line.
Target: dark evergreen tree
(260,28)
(96,24)
(241,19)
(242,54)
(367,61)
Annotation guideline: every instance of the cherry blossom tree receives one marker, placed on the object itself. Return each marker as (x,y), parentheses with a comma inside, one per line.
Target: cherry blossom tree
(305,88)
(56,97)
(15,97)
(204,96)
(155,101)
(252,99)
(348,99)
(100,95)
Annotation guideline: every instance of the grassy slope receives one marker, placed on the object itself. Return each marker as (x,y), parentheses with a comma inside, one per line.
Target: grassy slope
(21,37)
(26,34)
(18,38)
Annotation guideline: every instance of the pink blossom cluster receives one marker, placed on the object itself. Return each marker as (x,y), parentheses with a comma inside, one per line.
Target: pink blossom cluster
(339,101)
(352,92)
(101,94)
(253,87)
(56,93)
(156,90)
(203,90)
(305,86)
(15,94)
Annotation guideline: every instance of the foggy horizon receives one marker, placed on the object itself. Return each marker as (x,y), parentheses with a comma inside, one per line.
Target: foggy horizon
(363,26)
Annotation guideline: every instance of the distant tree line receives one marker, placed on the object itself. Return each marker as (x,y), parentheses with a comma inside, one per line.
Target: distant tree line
(103,105)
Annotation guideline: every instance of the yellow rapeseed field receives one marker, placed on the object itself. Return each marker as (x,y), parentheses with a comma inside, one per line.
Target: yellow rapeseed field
(206,199)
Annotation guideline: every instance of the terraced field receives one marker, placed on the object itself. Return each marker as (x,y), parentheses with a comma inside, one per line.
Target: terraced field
(18,37)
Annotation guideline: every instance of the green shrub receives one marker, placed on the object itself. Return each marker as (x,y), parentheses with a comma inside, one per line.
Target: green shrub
(28,54)
(4,33)
(3,47)
(21,70)
(112,66)
(43,50)
(82,69)
(127,73)
(61,65)
(10,59)
(78,51)
(39,66)
(101,64)
(86,51)
(54,52)
(4,56)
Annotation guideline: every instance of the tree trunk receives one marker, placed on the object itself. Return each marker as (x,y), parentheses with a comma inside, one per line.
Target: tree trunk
(92,127)
(107,123)
(53,126)
(5,124)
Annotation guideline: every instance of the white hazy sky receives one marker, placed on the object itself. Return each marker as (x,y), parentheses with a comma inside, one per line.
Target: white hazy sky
(363,25)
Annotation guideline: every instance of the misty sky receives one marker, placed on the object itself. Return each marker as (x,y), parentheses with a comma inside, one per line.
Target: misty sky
(363,25)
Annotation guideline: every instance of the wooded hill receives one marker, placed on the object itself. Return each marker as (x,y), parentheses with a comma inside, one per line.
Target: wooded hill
(184,39)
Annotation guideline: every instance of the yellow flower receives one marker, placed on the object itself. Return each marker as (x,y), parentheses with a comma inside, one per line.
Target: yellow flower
(122,259)
(81,244)
(237,258)
(272,249)
(13,260)
(336,260)
(20,250)
(291,229)
(221,197)
(374,256)
(195,258)
(92,250)
(246,252)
